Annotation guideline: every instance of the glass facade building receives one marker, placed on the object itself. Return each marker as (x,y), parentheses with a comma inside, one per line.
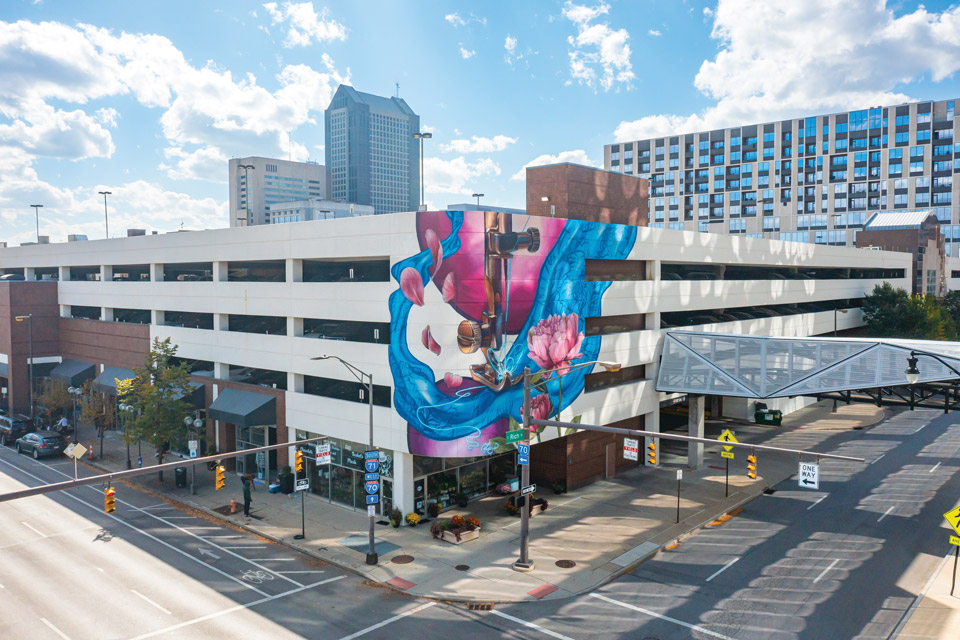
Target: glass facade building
(812,179)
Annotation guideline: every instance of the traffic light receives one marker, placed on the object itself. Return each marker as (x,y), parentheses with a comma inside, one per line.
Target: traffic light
(220,480)
(752,467)
(109,501)
(652,454)
(298,461)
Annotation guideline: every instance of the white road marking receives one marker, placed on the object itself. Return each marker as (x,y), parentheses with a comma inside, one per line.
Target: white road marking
(824,572)
(374,627)
(722,569)
(304,571)
(885,514)
(692,627)
(881,455)
(935,467)
(239,607)
(140,531)
(247,547)
(162,519)
(918,430)
(536,627)
(819,500)
(159,505)
(149,601)
(54,629)
(34,529)
(206,552)
(271,559)
(100,570)
(179,518)
(221,537)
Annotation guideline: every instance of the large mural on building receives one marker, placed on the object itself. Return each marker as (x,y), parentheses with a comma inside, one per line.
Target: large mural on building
(509,291)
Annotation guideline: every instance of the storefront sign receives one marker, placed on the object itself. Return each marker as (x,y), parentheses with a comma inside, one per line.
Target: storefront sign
(631,449)
(323,454)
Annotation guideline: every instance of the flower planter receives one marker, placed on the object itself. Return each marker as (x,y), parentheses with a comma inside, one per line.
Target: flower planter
(466,536)
(536,509)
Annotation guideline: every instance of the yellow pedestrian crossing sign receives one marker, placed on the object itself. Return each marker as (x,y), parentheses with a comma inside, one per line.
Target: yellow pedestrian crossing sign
(953,518)
(727,436)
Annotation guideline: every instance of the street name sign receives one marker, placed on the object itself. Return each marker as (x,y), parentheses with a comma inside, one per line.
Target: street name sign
(323,454)
(726,454)
(727,436)
(953,519)
(302,484)
(514,436)
(808,476)
(527,490)
(631,449)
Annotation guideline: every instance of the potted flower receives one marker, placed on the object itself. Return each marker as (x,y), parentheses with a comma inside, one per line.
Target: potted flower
(458,530)
(536,505)
(559,486)
(413,519)
(510,507)
(396,517)
(437,527)
(433,509)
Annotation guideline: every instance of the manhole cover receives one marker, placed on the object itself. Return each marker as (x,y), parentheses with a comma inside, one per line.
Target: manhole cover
(462,567)
(402,559)
(566,564)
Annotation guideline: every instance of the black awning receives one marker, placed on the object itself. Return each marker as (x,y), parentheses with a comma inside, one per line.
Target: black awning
(243,408)
(74,372)
(195,395)
(106,382)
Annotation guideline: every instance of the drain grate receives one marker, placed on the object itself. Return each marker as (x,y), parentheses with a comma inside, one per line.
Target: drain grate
(480,606)
(402,559)
(462,567)
(565,564)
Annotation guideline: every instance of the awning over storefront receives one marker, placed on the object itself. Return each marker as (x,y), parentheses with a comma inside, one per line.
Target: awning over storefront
(74,372)
(195,395)
(243,408)
(106,382)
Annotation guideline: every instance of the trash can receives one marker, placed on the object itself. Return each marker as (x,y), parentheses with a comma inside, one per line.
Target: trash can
(180,474)
(765,416)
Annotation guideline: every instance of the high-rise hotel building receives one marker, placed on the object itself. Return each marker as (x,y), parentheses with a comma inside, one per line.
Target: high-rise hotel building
(813,179)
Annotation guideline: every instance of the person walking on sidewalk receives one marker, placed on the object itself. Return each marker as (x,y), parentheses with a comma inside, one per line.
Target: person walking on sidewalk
(247,480)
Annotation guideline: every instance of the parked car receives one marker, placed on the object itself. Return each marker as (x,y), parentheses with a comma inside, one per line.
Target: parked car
(12,427)
(11,276)
(41,443)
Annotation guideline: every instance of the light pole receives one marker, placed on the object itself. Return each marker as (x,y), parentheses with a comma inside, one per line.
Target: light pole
(525,563)
(29,320)
(246,185)
(75,393)
(835,312)
(193,424)
(36,210)
(365,379)
(421,137)
(478,196)
(127,410)
(106,223)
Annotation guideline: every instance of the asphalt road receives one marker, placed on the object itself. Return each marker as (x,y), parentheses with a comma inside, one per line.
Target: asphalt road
(843,562)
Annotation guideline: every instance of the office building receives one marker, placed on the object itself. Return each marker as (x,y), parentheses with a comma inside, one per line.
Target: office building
(257,184)
(813,179)
(424,302)
(916,233)
(315,209)
(371,153)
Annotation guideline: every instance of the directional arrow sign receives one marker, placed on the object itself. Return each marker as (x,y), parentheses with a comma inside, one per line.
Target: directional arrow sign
(953,518)
(808,477)
(727,436)
(206,552)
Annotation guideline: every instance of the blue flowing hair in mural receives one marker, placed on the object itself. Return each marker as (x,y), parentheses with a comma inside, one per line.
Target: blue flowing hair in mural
(561,290)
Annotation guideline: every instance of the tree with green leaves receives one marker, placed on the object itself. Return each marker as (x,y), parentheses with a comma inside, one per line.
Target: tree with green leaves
(156,395)
(885,311)
(55,397)
(97,408)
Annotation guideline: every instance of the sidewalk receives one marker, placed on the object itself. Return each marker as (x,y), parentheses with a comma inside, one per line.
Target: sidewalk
(636,513)
(937,615)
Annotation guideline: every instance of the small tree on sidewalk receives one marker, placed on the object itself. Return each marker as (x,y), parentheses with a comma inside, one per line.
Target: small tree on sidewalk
(156,394)
(97,408)
(55,397)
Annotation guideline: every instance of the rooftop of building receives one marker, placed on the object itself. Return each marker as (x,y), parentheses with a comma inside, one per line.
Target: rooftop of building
(380,103)
(888,221)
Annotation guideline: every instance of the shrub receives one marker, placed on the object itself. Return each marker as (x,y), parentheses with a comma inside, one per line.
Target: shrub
(472,523)
(413,519)
(396,517)
(437,527)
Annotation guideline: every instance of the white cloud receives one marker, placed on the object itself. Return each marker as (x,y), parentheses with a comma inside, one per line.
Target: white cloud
(599,54)
(654,32)
(458,21)
(206,163)
(578,156)
(510,46)
(457,176)
(43,130)
(305,24)
(466,54)
(784,59)
(478,144)
(107,116)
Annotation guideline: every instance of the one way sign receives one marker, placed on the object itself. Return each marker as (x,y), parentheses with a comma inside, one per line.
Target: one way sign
(809,475)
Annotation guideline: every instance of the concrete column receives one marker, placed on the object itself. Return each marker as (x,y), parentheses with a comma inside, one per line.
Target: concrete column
(651,422)
(294,270)
(695,429)
(156,316)
(219,271)
(221,322)
(106,273)
(295,382)
(106,314)
(64,274)
(64,311)
(715,407)
(30,273)
(220,372)
(403,494)
(156,272)
(295,326)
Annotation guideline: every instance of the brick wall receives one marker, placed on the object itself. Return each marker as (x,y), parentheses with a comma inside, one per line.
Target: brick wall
(114,344)
(19,298)
(586,193)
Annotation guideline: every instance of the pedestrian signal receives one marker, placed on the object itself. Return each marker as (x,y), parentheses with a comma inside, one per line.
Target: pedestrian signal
(109,501)
(220,480)
(752,467)
(652,454)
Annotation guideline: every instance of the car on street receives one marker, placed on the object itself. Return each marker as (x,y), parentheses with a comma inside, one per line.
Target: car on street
(41,443)
(12,427)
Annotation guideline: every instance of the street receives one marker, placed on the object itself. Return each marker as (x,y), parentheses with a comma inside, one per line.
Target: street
(846,561)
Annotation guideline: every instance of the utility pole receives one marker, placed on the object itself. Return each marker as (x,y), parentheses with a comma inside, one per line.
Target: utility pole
(36,210)
(106,223)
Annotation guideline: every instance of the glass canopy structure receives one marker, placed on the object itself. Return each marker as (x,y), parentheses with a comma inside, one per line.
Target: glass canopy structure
(702,363)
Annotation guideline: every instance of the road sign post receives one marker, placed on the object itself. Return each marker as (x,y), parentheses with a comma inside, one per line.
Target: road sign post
(679,478)
(953,519)
(371,464)
(300,486)
(727,454)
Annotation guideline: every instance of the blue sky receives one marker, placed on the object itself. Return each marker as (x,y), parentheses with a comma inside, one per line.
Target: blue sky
(149,100)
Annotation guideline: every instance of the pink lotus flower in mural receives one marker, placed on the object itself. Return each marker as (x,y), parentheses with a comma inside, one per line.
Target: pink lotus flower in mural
(436,251)
(540,407)
(448,290)
(452,380)
(412,285)
(555,342)
(429,342)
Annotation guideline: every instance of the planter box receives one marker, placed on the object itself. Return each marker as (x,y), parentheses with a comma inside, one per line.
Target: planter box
(536,509)
(466,536)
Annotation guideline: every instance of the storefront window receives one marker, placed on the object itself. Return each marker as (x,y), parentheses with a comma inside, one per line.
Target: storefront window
(341,485)
(442,488)
(423,465)
(502,468)
(473,479)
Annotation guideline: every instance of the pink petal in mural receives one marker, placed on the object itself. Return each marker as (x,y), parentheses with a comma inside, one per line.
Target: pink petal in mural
(452,380)
(436,251)
(412,285)
(448,290)
(429,342)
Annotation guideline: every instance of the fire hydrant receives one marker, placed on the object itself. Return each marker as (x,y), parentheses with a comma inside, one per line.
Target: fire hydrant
(233,506)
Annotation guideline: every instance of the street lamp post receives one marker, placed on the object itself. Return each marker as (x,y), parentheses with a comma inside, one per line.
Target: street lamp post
(193,424)
(524,563)
(106,223)
(913,374)
(75,393)
(835,313)
(246,183)
(365,379)
(127,410)
(421,137)
(29,320)
(36,210)
(478,196)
